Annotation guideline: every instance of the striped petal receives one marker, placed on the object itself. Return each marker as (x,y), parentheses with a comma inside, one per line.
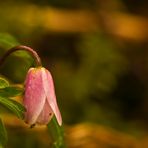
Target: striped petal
(34,98)
(45,115)
(50,93)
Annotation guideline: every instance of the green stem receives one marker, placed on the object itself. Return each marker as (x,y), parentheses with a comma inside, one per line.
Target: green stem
(57,133)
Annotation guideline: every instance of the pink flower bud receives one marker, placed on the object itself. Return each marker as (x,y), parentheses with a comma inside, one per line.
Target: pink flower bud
(40,98)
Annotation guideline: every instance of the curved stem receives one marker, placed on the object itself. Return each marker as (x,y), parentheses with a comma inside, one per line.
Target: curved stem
(21,47)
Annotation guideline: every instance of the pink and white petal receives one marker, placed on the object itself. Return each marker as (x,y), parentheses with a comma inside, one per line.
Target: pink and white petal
(34,98)
(50,93)
(45,115)
(28,74)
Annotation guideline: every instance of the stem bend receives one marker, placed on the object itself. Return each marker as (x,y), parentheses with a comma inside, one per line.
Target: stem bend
(21,47)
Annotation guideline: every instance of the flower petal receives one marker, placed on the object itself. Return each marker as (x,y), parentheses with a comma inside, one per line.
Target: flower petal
(45,115)
(34,98)
(50,93)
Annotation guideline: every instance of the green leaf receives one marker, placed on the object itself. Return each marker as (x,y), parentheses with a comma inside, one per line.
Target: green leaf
(11,91)
(14,106)
(3,83)
(3,134)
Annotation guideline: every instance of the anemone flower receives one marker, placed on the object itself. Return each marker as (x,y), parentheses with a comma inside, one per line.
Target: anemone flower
(39,98)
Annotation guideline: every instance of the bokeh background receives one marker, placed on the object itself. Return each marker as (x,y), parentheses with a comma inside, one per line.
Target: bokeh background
(97,52)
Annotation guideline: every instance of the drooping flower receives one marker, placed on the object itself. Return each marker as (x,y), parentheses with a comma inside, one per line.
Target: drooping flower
(40,99)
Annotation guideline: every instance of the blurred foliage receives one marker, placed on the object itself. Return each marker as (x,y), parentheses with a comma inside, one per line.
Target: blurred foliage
(3,134)
(28,139)
(6,94)
(71,4)
(93,79)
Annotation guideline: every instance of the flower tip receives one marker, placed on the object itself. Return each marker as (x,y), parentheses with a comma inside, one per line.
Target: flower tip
(60,122)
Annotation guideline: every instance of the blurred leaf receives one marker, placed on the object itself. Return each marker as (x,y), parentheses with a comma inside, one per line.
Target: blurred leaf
(14,106)
(11,91)
(3,83)
(7,41)
(3,134)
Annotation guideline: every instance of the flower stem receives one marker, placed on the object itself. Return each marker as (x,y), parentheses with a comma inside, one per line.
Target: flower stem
(21,47)
(57,133)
